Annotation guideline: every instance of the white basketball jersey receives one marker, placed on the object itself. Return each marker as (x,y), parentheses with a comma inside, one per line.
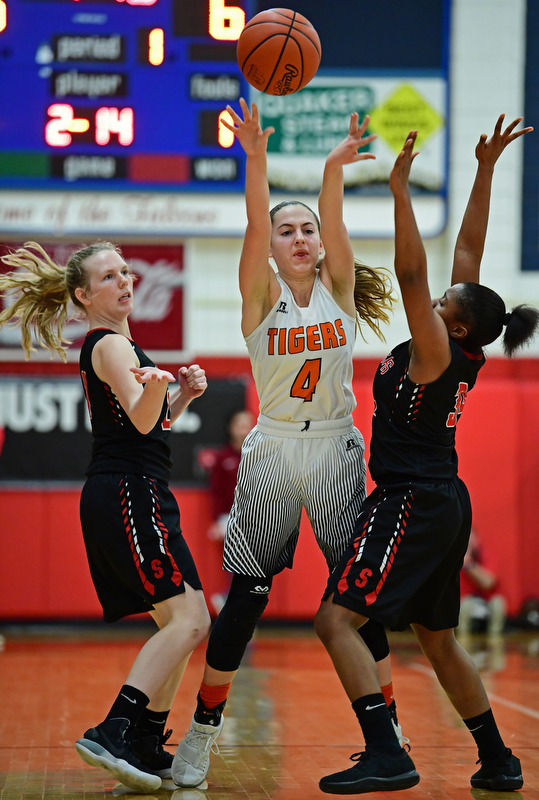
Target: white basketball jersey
(301,358)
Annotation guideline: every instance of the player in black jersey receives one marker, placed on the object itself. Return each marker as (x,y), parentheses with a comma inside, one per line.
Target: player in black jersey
(138,558)
(402,565)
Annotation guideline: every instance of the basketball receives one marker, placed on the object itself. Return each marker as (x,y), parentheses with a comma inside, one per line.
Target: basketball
(279,51)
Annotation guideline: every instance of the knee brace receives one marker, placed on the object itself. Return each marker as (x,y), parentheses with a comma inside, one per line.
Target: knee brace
(234,627)
(374,635)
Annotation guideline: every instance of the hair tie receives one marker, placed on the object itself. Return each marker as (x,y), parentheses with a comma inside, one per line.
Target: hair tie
(506,318)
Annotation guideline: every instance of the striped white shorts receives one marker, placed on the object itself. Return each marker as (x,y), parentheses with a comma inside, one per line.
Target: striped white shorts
(283,469)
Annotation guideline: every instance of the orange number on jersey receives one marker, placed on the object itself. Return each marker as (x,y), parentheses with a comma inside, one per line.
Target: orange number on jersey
(304,385)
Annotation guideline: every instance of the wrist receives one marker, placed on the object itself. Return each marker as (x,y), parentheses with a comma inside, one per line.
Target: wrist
(256,157)
(332,165)
(400,191)
(483,166)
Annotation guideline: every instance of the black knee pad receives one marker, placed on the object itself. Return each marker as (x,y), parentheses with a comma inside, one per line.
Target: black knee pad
(374,635)
(234,627)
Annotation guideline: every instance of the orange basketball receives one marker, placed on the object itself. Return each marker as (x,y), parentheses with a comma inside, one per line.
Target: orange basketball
(279,51)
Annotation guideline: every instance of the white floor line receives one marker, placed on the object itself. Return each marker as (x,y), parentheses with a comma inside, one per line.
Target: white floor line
(530,712)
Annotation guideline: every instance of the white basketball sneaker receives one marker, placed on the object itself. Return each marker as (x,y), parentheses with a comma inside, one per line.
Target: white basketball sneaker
(192,760)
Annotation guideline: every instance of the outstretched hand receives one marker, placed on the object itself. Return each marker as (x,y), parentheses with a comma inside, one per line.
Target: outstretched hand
(488,150)
(401,169)
(192,380)
(347,151)
(250,135)
(152,375)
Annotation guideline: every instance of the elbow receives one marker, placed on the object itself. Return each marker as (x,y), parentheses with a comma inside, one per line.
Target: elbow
(143,429)
(142,426)
(258,227)
(410,276)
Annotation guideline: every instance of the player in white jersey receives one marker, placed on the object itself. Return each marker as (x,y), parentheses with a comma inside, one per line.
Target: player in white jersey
(302,358)
(302,366)
(299,323)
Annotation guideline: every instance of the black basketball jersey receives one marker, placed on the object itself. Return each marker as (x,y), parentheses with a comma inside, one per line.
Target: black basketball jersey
(118,445)
(413,427)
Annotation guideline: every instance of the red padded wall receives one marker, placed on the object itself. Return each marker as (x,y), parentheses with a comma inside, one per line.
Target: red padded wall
(43,570)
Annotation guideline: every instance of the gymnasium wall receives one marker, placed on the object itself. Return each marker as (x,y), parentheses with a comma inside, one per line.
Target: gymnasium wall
(43,572)
(43,569)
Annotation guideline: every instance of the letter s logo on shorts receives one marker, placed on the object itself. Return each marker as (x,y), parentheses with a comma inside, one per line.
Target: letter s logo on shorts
(157,568)
(364,576)
(386,364)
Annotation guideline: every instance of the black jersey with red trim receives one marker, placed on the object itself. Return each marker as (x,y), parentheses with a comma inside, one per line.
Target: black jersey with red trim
(413,426)
(118,445)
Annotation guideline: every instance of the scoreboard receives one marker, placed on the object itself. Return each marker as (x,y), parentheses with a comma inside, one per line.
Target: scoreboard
(119,93)
(128,95)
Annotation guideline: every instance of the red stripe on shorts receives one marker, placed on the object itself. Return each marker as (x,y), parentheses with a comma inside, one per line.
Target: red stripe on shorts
(390,554)
(342,586)
(150,588)
(176,577)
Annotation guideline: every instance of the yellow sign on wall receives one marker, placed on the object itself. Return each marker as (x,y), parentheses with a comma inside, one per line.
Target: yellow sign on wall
(403,111)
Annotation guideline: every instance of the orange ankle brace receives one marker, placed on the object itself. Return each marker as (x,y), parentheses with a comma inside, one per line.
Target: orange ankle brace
(212,696)
(387,691)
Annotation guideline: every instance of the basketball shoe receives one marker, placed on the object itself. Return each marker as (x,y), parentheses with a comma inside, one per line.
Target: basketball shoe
(192,760)
(107,746)
(499,775)
(148,748)
(374,772)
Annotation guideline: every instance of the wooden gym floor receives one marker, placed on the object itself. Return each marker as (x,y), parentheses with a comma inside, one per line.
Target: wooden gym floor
(288,721)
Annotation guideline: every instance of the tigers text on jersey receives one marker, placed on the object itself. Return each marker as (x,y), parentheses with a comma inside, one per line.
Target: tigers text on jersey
(301,358)
(413,427)
(118,446)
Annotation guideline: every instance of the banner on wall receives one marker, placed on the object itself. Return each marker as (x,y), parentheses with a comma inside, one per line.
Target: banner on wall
(309,124)
(157,319)
(46,430)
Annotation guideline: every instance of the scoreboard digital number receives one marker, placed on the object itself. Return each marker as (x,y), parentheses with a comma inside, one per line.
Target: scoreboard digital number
(119,94)
(130,94)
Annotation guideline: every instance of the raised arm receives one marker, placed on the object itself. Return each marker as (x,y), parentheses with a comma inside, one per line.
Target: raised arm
(471,238)
(430,353)
(257,278)
(337,269)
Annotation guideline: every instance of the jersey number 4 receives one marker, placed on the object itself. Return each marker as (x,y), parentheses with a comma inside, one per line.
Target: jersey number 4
(304,385)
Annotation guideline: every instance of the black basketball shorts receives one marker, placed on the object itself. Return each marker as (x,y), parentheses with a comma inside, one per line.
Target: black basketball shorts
(136,552)
(404,560)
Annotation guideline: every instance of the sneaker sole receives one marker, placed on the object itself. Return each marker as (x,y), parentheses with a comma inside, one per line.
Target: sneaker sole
(501,783)
(168,786)
(96,756)
(164,774)
(184,785)
(393,784)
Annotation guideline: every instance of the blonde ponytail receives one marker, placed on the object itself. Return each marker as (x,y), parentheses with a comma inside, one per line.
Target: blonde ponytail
(374,297)
(42,291)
